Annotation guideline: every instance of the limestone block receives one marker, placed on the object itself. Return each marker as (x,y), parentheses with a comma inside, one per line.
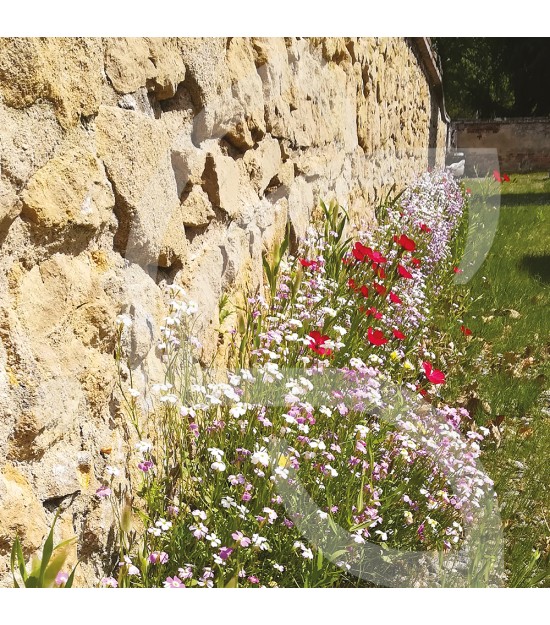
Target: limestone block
(137,155)
(221,183)
(197,210)
(71,189)
(263,163)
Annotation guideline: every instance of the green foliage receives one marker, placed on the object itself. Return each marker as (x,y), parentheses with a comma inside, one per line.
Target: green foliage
(44,570)
(490,77)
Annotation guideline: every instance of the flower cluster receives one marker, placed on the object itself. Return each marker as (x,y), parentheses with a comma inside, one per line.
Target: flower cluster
(333,392)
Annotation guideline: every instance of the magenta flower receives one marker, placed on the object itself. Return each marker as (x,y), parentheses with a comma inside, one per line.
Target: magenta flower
(225,552)
(145,465)
(61,578)
(253,579)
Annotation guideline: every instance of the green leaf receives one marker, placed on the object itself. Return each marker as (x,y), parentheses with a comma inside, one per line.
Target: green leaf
(70,581)
(47,552)
(16,552)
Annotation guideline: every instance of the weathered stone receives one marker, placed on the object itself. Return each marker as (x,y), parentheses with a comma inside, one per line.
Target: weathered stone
(221,183)
(21,514)
(71,189)
(197,210)
(131,62)
(263,163)
(112,147)
(137,156)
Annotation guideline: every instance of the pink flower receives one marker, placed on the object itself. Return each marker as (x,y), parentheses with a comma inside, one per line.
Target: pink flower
(108,582)
(173,582)
(145,465)
(61,578)
(103,491)
(158,557)
(241,539)
(253,579)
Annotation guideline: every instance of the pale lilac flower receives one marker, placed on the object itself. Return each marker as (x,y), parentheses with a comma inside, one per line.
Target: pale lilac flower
(103,491)
(108,582)
(173,582)
(241,539)
(61,578)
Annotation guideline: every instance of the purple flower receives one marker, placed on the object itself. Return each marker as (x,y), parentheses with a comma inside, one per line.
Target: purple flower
(145,465)
(225,552)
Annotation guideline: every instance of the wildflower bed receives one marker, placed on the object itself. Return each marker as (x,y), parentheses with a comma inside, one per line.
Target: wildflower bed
(327,455)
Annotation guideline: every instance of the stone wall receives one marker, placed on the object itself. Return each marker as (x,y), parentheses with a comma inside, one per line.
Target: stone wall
(522,144)
(127,164)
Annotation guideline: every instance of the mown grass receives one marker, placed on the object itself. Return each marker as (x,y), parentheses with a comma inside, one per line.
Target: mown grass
(504,377)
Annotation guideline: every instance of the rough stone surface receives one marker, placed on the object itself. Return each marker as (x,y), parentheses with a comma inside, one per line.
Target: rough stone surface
(128,164)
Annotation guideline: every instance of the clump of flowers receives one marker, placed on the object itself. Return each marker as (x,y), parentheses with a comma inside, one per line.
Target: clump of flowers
(333,397)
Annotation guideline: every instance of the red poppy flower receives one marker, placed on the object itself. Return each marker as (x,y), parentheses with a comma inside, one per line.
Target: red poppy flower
(468,192)
(309,263)
(457,270)
(364,291)
(405,243)
(374,312)
(399,335)
(466,331)
(376,337)
(379,288)
(352,284)
(496,175)
(425,228)
(317,341)
(394,298)
(422,391)
(404,273)
(505,178)
(435,376)
(416,262)
(359,251)
(346,261)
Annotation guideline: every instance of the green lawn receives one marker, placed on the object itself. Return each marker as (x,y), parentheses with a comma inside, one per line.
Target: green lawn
(504,379)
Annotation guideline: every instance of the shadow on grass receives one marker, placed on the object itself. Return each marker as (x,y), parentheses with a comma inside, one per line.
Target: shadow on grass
(537,266)
(525,199)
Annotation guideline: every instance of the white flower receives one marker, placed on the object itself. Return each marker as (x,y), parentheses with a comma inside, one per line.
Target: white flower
(281,472)
(144,446)
(214,540)
(218,466)
(227,502)
(155,531)
(322,515)
(124,321)
(358,538)
(279,567)
(261,542)
(112,471)
(199,514)
(216,453)
(169,399)
(271,514)
(260,457)
(383,535)
(333,472)
(133,392)
(164,524)
(238,410)
(307,554)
